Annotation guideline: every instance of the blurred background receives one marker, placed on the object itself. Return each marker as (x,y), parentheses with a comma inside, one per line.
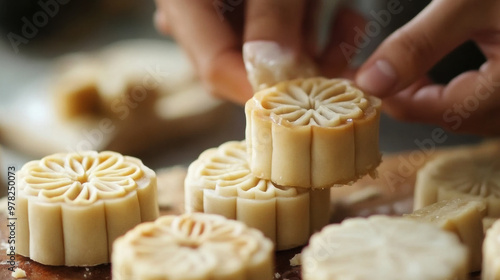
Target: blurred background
(44,85)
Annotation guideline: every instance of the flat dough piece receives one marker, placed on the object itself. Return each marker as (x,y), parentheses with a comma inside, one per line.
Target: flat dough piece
(312,133)
(144,91)
(220,182)
(385,248)
(71,207)
(74,87)
(193,246)
(461,216)
(132,73)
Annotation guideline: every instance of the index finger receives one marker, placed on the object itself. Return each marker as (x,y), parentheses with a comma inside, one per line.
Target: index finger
(469,103)
(201,28)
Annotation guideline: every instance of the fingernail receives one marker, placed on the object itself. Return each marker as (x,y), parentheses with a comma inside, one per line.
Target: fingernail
(378,79)
(266,63)
(265,48)
(265,52)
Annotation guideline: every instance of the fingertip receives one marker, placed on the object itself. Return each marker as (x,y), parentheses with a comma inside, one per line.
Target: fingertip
(225,77)
(279,21)
(377,79)
(334,59)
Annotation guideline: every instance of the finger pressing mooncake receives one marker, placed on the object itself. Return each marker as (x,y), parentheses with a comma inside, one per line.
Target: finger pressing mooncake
(312,133)
(193,246)
(384,248)
(71,206)
(472,172)
(220,182)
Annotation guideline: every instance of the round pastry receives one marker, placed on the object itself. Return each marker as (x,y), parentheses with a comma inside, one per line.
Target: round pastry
(72,206)
(385,248)
(472,172)
(220,182)
(312,133)
(192,246)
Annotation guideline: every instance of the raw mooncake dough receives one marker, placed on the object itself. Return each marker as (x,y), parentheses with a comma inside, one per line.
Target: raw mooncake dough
(193,246)
(473,172)
(72,206)
(491,253)
(220,182)
(312,133)
(75,87)
(461,216)
(384,248)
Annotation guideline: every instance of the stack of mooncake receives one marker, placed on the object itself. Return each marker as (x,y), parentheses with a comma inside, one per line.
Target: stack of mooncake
(303,137)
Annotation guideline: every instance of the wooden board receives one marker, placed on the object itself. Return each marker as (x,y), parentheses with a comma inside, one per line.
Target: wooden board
(391,193)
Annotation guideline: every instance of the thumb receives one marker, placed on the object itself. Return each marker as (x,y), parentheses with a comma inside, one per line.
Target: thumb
(411,51)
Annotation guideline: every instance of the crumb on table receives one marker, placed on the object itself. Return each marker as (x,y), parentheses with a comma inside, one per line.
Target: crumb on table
(295,261)
(19,273)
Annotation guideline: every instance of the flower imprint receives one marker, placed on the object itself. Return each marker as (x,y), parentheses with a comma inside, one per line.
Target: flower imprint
(220,182)
(201,245)
(473,175)
(226,171)
(81,178)
(312,133)
(72,206)
(318,102)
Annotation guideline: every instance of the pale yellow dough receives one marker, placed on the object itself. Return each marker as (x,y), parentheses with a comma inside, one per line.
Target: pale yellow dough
(488,223)
(312,133)
(384,248)
(19,273)
(462,217)
(491,253)
(75,89)
(193,246)
(472,172)
(220,182)
(72,206)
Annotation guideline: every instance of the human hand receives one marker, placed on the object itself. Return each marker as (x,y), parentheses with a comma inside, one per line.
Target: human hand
(213,33)
(396,71)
